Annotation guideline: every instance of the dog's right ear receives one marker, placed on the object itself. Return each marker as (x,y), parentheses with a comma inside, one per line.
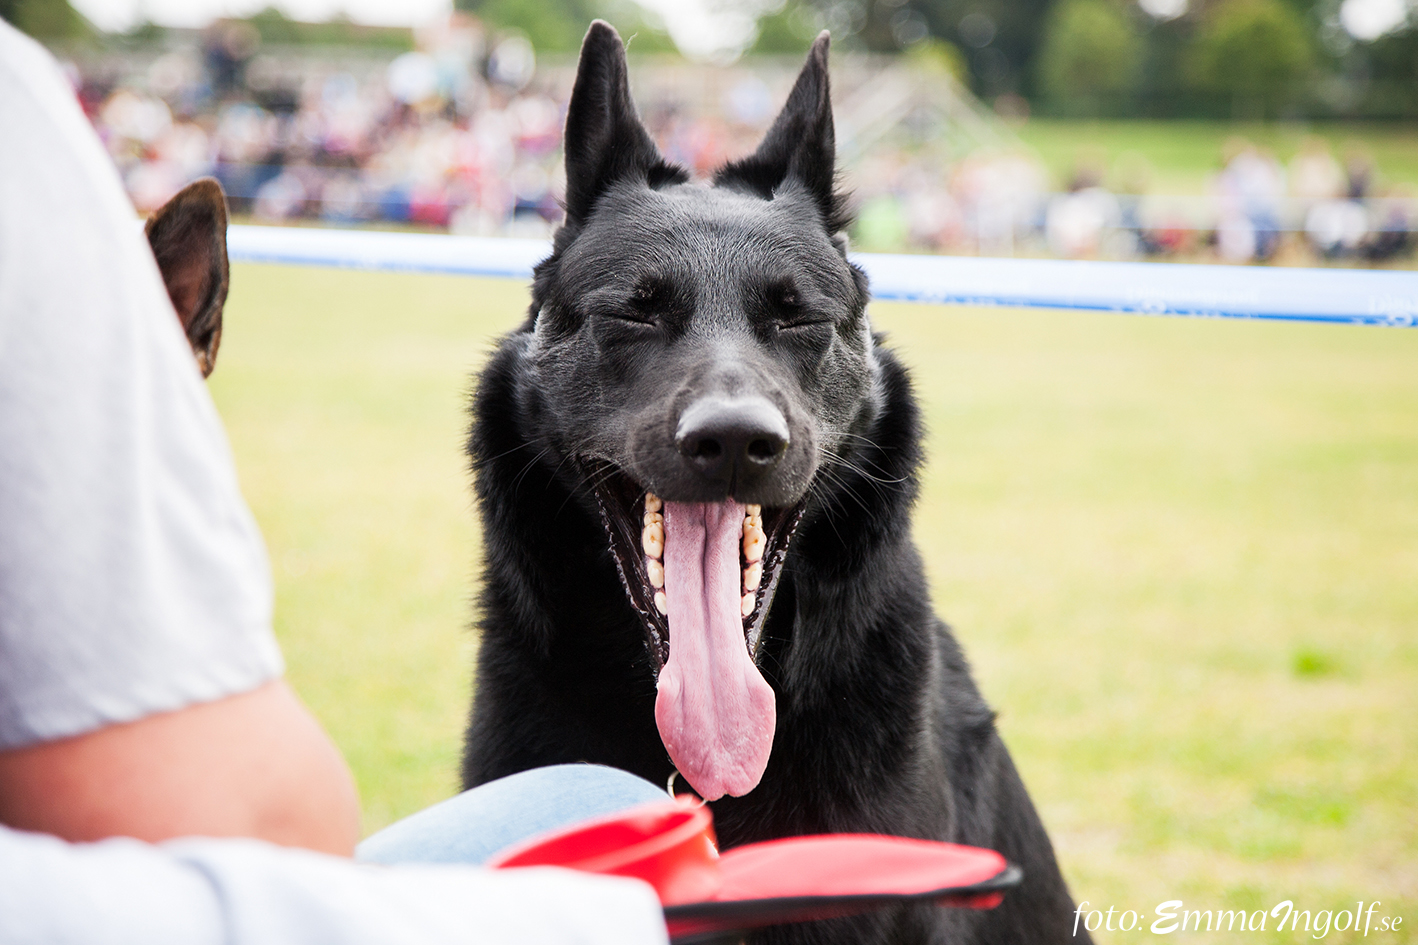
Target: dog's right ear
(188,238)
(800,147)
(605,141)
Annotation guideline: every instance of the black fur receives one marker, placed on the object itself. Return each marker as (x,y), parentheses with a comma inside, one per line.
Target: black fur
(661,293)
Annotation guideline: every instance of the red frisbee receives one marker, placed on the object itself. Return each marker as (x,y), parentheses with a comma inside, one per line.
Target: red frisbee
(670,845)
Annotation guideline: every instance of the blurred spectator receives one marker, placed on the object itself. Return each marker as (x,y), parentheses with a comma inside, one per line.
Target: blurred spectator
(1314,173)
(1250,191)
(227,47)
(933,216)
(1394,224)
(1359,169)
(1001,197)
(1077,223)
(1337,228)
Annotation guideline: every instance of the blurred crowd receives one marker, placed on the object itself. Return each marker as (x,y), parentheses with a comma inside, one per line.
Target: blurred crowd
(455,135)
(1000,203)
(463,135)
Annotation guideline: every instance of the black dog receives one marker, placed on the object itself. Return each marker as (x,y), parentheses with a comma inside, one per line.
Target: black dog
(695,465)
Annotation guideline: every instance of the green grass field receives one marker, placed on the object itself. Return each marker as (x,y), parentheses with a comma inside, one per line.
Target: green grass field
(1182,555)
(1184,155)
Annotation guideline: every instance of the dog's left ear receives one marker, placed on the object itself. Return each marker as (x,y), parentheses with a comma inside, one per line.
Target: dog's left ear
(188,238)
(800,147)
(605,141)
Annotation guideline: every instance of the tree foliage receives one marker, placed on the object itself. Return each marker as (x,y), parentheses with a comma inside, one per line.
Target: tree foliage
(788,30)
(1091,50)
(552,25)
(45,19)
(1252,49)
(558,25)
(1394,57)
(275,27)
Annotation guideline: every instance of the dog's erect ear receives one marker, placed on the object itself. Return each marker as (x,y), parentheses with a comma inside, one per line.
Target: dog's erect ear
(605,141)
(188,237)
(800,147)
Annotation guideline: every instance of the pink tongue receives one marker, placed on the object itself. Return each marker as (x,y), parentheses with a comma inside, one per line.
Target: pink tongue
(715,712)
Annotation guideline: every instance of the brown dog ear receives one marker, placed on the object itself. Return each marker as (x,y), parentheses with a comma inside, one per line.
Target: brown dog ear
(188,237)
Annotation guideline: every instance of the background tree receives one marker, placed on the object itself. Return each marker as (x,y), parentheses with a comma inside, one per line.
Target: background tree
(1387,71)
(1090,56)
(559,25)
(1256,52)
(45,19)
(787,30)
(999,38)
(551,25)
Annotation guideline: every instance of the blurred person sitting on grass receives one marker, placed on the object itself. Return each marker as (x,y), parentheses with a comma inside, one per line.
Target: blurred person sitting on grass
(158,781)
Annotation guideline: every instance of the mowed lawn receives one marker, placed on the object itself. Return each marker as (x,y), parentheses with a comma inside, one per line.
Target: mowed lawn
(1183,156)
(1182,555)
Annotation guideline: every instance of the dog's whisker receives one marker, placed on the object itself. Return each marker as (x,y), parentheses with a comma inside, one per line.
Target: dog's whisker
(835,474)
(556,470)
(860,470)
(478,464)
(837,480)
(865,439)
(517,480)
(814,489)
(598,480)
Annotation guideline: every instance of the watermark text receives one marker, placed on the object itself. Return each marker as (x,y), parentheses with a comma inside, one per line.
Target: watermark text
(1174,916)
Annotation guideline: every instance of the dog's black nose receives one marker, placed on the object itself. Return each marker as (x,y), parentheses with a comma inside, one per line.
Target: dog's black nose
(734,440)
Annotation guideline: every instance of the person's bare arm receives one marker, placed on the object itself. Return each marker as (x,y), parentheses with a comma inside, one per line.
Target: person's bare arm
(251,765)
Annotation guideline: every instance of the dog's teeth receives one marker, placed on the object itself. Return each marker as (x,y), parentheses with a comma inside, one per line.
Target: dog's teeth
(753,521)
(652,517)
(662,603)
(753,541)
(652,502)
(656,571)
(753,511)
(747,604)
(752,576)
(652,539)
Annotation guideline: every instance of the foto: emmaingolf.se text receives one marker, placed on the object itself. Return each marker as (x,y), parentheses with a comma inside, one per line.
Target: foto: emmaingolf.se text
(1173,916)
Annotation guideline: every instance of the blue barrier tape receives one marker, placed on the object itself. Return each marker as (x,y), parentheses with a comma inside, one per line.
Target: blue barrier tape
(1343,296)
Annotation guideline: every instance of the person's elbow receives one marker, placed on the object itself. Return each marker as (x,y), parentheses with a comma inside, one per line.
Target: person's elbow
(252,765)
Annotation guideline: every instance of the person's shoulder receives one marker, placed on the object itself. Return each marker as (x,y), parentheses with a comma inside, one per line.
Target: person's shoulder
(38,105)
(27,70)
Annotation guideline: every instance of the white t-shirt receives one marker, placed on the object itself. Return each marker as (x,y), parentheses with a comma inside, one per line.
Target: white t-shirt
(133,581)
(242,892)
(132,577)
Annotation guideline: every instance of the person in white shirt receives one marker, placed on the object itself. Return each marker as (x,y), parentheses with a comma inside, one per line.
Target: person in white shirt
(158,781)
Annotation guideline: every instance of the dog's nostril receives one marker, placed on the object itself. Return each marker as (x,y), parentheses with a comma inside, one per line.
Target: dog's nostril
(707,449)
(765,449)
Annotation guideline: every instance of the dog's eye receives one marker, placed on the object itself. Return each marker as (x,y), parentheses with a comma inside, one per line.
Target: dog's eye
(807,321)
(650,299)
(787,303)
(785,297)
(633,315)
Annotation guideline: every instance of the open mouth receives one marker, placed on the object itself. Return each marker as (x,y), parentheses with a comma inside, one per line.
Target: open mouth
(702,577)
